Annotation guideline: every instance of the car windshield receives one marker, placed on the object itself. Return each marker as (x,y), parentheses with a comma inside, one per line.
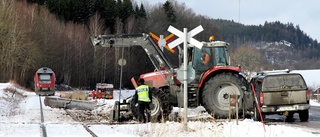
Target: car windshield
(283,82)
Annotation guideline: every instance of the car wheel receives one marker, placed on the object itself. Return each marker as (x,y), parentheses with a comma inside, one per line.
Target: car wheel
(289,117)
(304,115)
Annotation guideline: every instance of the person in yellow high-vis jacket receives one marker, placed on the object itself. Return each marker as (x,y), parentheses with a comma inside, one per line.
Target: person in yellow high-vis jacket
(144,98)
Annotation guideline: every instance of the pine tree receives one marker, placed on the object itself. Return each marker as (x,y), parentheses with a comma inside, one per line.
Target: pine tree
(168,9)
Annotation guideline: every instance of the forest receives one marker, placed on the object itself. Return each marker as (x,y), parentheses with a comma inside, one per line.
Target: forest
(56,34)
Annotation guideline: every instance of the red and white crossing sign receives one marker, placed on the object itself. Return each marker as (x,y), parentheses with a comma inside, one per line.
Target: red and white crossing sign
(182,37)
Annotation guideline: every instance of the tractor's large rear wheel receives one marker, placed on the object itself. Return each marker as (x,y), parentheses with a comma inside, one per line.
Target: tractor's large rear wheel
(160,106)
(216,91)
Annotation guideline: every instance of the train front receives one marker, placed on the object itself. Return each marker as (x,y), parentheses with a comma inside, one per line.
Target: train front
(44,80)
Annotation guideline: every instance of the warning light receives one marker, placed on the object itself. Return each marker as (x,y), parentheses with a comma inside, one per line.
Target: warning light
(211,38)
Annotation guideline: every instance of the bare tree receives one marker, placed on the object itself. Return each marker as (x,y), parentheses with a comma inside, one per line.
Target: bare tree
(249,58)
(95,25)
(130,24)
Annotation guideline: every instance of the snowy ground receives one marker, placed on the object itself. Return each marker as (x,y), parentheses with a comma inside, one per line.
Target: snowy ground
(20,116)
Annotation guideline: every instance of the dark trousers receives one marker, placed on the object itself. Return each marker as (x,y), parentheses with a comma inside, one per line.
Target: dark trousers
(143,106)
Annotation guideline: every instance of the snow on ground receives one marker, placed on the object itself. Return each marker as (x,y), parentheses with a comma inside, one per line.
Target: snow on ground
(314,103)
(24,118)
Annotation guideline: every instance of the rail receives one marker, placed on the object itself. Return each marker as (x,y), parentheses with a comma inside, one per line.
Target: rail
(43,127)
(84,125)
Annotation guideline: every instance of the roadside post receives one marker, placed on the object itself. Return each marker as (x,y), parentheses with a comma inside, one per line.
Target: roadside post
(318,95)
(234,104)
(258,106)
(185,37)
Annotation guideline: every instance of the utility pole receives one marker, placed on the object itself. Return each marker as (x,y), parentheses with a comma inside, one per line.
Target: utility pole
(239,11)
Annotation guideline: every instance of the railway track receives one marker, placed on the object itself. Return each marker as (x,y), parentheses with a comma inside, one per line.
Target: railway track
(84,125)
(43,127)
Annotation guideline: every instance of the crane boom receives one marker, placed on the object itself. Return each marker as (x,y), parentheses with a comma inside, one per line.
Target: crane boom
(155,54)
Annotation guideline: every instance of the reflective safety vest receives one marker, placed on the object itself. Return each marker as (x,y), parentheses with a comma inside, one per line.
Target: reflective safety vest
(143,93)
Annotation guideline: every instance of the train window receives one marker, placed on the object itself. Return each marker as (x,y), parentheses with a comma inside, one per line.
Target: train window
(44,77)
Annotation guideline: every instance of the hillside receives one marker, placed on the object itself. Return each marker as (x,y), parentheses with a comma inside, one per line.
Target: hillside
(235,33)
(37,33)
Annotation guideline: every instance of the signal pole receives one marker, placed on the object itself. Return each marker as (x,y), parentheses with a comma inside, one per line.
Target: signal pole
(185,77)
(185,37)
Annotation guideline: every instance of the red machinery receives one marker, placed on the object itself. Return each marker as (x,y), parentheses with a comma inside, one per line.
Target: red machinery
(105,89)
(212,84)
(44,81)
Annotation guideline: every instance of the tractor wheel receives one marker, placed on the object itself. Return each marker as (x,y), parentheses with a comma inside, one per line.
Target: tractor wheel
(160,106)
(216,91)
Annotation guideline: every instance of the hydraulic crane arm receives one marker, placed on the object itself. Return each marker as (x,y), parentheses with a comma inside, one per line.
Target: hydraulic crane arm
(153,51)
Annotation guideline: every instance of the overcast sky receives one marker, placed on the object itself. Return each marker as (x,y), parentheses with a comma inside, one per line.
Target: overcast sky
(305,13)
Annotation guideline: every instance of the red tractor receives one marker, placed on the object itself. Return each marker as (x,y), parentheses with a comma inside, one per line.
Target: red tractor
(213,82)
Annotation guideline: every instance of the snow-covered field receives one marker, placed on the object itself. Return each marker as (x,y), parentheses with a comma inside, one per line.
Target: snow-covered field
(20,116)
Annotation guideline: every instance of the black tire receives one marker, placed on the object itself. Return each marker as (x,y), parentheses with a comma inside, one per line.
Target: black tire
(215,96)
(304,115)
(160,106)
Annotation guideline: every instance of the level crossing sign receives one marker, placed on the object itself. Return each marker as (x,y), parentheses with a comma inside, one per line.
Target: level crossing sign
(185,37)
(182,36)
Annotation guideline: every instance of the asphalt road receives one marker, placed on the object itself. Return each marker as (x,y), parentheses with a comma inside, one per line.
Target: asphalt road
(314,118)
(313,123)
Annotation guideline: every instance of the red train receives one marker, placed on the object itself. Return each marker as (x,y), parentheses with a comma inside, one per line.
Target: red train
(44,81)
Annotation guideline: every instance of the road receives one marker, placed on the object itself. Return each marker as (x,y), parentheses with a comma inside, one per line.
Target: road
(314,118)
(313,124)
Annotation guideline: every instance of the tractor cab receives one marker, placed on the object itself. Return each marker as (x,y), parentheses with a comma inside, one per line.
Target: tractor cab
(210,55)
